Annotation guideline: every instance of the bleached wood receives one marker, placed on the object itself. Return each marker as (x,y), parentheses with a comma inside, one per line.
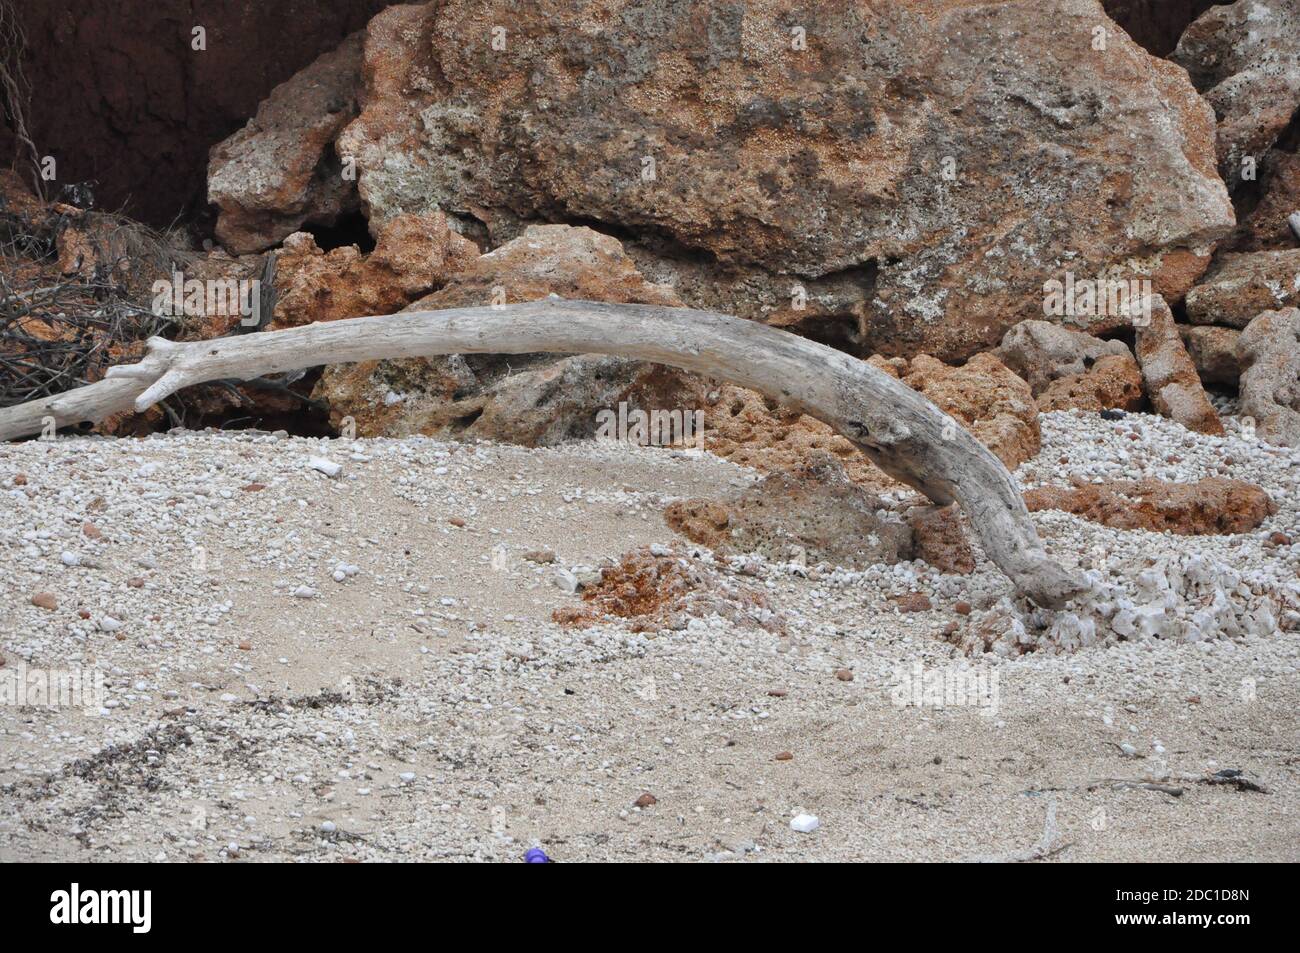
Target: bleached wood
(901,431)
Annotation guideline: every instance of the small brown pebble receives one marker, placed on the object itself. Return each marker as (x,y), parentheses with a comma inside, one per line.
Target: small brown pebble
(778,693)
(245,646)
(136,582)
(91,531)
(20,479)
(456,521)
(1193,699)
(844,675)
(45,600)
(253,487)
(784,756)
(83,613)
(1064,459)
(963,608)
(543,556)
(1279,539)
(645,800)
(950,629)
(120,637)
(912,602)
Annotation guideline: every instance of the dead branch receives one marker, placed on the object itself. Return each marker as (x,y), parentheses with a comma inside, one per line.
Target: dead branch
(902,432)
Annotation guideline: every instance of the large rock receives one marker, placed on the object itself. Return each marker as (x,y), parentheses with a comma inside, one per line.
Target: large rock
(1068,370)
(1241,286)
(983,396)
(528,399)
(1212,505)
(1245,57)
(280,172)
(1168,374)
(1269,350)
(945,174)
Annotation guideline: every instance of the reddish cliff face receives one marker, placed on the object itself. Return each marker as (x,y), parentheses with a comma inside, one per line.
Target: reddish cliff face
(121,97)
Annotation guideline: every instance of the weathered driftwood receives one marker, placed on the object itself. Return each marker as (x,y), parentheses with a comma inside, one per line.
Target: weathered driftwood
(902,432)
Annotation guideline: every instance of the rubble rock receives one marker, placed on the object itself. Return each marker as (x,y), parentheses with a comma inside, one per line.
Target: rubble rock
(1212,505)
(652,592)
(1041,352)
(716,133)
(280,171)
(1214,352)
(1242,285)
(815,511)
(1168,374)
(1269,351)
(982,395)
(1068,369)
(1114,381)
(1245,58)
(528,399)
(413,254)
(939,538)
(752,430)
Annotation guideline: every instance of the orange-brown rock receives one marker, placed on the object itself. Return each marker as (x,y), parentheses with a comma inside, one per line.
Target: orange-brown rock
(413,255)
(664,592)
(1212,505)
(1245,60)
(1241,286)
(982,395)
(1114,381)
(1168,374)
(755,431)
(1069,369)
(710,133)
(1266,228)
(939,539)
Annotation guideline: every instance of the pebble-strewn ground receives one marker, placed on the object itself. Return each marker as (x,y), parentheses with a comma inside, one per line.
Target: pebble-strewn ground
(306,667)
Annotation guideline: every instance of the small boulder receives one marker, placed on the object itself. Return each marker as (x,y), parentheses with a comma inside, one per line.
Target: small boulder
(1214,505)
(1241,286)
(1168,374)
(1269,351)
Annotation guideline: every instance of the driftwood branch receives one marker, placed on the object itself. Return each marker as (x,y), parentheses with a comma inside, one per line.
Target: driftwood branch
(902,432)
